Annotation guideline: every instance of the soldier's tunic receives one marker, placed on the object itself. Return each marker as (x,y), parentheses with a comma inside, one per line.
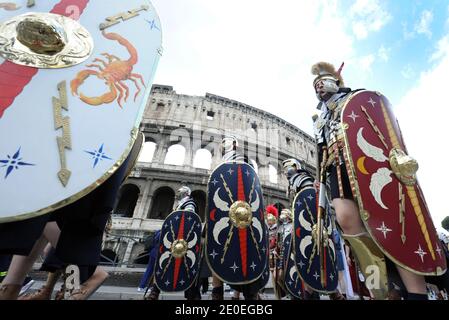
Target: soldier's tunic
(284,230)
(328,133)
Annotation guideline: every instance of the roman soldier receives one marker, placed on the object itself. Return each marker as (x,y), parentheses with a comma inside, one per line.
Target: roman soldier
(298,177)
(237,248)
(314,250)
(372,181)
(272,217)
(179,258)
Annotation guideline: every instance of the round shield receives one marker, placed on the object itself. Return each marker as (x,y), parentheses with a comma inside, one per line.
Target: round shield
(317,271)
(75,77)
(236,241)
(179,256)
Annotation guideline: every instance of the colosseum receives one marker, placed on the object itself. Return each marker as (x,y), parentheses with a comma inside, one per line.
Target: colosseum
(182,147)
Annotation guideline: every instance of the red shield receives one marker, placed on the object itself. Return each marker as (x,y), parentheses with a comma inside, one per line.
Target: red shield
(390,199)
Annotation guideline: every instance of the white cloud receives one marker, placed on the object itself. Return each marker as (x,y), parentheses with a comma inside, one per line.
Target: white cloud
(260,57)
(423,25)
(407,72)
(384,53)
(423,116)
(367,16)
(442,49)
(366,62)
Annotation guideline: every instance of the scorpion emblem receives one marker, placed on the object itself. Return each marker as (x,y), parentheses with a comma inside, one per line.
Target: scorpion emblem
(114,72)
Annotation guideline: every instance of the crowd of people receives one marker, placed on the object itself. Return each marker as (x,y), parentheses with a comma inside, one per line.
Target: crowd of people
(322,245)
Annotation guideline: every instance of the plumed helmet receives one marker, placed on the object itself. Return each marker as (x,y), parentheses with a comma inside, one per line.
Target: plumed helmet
(272,213)
(326,71)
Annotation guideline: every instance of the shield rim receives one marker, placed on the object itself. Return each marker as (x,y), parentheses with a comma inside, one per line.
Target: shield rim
(349,163)
(134,132)
(200,254)
(287,288)
(135,153)
(294,246)
(207,228)
(80,194)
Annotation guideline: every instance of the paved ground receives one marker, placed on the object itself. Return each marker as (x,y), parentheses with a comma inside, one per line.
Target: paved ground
(130,293)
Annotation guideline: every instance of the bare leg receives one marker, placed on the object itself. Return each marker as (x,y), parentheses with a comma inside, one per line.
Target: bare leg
(51,233)
(52,279)
(21,265)
(217,289)
(413,282)
(216,282)
(349,220)
(348,216)
(341,281)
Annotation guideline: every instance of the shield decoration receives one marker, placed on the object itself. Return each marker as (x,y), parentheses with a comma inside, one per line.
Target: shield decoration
(320,273)
(236,240)
(72,99)
(383,178)
(292,280)
(179,256)
(265,277)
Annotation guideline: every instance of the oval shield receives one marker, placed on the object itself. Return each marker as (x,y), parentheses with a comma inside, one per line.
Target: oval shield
(320,273)
(383,177)
(236,241)
(292,280)
(179,256)
(75,76)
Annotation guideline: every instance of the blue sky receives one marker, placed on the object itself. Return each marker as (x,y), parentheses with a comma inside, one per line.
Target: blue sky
(260,52)
(402,48)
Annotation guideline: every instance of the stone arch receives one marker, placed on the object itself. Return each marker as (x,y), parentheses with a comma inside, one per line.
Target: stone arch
(272,174)
(200,198)
(148,150)
(175,155)
(202,159)
(163,201)
(127,200)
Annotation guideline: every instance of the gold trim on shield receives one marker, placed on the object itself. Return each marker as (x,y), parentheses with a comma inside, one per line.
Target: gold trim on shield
(80,194)
(356,190)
